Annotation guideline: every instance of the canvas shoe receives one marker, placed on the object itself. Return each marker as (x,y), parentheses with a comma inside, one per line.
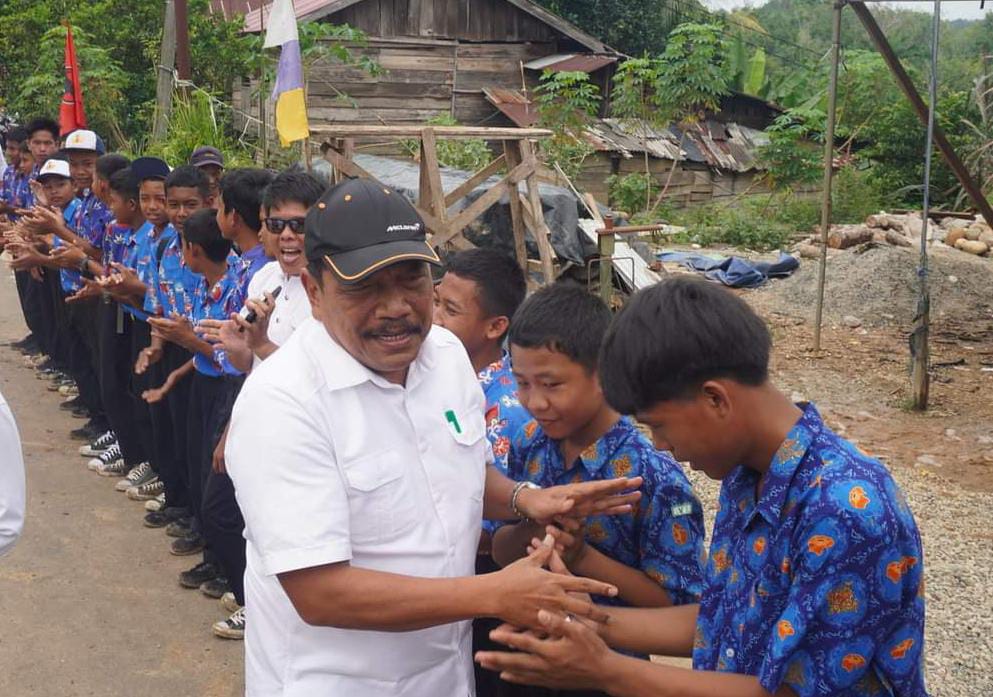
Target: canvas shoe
(233,627)
(138,475)
(111,454)
(181,527)
(229,603)
(198,575)
(117,468)
(69,390)
(165,516)
(156,504)
(99,446)
(216,588)
(146,491)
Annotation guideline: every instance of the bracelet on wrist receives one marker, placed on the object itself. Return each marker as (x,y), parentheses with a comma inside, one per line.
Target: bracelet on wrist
(515,495)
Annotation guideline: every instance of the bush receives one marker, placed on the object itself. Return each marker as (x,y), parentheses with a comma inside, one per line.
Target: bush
(194,123)
(856,195)
(751,225)
(628,192)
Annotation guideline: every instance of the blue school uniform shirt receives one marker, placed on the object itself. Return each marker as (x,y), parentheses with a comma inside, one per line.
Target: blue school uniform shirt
(14,190)
(141,256)
(89,222)
(663,536)
(68,215)
(817,583)
(249,264)
(504,414)
(116,243)
(27,195)
(215,302)
(176,282)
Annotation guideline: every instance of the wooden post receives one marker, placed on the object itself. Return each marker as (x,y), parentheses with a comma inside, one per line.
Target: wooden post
(920,352)
(906,84)
(605,246)
(828,170)
(539,230)
(167,61)
(182,41)
(512,155)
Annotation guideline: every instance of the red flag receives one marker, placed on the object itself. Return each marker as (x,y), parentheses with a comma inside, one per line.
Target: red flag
(71,114)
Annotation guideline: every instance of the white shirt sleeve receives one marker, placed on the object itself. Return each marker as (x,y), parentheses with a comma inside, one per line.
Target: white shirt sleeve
(12,492)
(287,481)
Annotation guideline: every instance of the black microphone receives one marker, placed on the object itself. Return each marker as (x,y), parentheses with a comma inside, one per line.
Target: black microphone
(252,315)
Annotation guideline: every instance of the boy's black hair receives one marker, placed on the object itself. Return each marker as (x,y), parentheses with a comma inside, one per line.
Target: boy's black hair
(292,185)
(498,278)
(43,123)
(124,183)
(671,338)
(202,229)
(17,135)
(242,191)
(110,163)
(25,147)
(189,177)
(563,318)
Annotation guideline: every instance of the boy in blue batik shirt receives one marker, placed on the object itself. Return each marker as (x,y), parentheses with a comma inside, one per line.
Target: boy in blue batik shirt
(652,555)
(815,579)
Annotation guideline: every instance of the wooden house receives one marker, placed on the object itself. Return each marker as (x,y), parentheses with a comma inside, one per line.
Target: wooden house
(437,56)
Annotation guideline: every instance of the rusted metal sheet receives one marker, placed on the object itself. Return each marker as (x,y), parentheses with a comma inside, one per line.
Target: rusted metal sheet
(513,105)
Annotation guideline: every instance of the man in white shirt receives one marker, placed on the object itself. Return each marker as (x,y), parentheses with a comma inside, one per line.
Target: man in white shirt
(360,463)
(12,494)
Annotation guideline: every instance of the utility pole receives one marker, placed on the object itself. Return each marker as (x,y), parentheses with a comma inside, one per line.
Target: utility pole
(182,40)
(828,169)
(167,61)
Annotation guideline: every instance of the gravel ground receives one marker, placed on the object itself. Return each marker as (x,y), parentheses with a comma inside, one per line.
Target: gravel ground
(958,563)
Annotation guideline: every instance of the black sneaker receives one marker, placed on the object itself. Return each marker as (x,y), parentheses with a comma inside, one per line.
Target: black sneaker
(180,527)
(80,412)
(215,588)
(185,546)
(71,404)
(87,433)
(165,517)
(25,343)
(199,574)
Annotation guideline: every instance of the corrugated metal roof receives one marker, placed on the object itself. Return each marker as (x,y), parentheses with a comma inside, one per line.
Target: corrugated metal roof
(725,146)
(569,62)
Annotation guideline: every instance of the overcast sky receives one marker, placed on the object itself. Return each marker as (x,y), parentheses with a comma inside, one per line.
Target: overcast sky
(949,10)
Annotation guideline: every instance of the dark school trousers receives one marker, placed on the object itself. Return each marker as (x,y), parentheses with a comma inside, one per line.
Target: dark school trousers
(54,319)
(207,397)
(83,350)
(28,297)
(116,366)
(223,524)
(168,434)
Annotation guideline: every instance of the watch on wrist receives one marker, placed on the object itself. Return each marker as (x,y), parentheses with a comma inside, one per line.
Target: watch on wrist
(515,495)
(83,266)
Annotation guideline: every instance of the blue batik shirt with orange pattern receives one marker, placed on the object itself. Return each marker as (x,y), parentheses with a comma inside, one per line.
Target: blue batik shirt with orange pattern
(663,537)
(175,283)
(217,301)
(15,188)
(817,584)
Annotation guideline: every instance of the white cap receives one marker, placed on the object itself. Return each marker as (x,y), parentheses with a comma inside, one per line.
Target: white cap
(54,167)
(83,140)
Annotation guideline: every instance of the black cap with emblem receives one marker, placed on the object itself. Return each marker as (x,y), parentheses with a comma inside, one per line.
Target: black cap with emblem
(360,226)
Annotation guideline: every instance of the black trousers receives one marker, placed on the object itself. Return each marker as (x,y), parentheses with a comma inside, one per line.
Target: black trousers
(167,436)
(83,353)
(28,297)
(207,396)
(223,524)
(116,366)
(54,319)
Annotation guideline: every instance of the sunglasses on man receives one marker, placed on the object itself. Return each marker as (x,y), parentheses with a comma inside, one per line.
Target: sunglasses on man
(277,225)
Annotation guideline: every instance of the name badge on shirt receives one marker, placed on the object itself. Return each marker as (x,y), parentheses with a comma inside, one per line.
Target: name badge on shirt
(681,509)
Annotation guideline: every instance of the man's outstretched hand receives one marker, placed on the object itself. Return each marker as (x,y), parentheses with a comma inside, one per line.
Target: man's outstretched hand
(611,497)
(525,587)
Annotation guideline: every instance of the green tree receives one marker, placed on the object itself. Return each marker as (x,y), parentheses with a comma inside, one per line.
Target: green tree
(567,102)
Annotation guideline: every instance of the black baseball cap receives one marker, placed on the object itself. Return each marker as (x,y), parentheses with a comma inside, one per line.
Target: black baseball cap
(360,226)
(206,155)
(149,168)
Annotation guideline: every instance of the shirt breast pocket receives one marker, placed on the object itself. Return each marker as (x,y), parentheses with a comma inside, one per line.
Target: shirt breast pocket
(380,497)
(470,447)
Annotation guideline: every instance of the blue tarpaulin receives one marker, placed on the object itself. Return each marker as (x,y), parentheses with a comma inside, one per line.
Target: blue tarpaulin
(735,272)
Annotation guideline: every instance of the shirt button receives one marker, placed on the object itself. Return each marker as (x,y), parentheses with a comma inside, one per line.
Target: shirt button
(729,653)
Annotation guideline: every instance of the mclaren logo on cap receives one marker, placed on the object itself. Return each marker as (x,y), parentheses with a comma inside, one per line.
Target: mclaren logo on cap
(404,227)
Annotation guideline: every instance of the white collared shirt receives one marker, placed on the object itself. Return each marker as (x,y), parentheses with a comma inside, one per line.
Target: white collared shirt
(332,463)
(292,306)
(12,494)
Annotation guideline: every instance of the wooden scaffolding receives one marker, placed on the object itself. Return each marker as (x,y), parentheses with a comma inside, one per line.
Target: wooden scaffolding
(434,204)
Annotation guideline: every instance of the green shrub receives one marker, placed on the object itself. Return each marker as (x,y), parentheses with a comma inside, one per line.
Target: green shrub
(627,193)
(192,124)
(856,195)
(751,225)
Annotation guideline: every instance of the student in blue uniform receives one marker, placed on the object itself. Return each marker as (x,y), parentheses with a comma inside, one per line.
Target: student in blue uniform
(815,580)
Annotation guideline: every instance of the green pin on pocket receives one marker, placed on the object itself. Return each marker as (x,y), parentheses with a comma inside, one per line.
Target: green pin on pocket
(453,421)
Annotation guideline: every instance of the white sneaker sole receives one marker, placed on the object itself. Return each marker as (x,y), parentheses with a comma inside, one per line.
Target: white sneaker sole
(135,495)
(229,604)
(222,630)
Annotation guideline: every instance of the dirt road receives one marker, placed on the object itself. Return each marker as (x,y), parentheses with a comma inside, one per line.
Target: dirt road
(89,602)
